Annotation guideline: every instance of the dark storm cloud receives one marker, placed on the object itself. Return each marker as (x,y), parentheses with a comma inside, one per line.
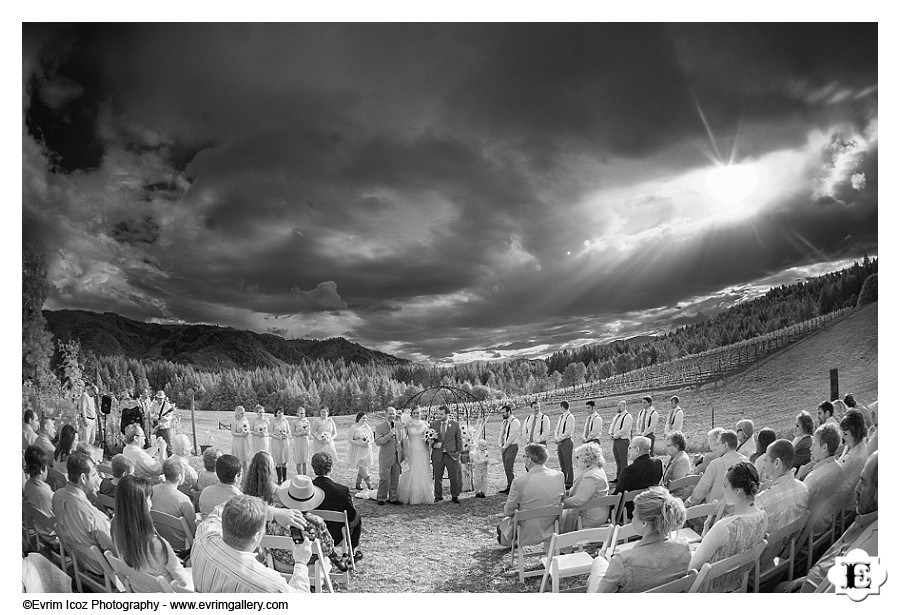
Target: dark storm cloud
(430,188)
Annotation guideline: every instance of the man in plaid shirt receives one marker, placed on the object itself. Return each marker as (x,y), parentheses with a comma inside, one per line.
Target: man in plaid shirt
(787,498)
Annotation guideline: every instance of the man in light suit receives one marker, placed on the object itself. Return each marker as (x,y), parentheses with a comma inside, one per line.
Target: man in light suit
(389,458)
(509,445)
(539,487)
(445,452)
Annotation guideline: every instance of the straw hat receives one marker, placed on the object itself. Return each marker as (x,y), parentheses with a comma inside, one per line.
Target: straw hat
(300,493)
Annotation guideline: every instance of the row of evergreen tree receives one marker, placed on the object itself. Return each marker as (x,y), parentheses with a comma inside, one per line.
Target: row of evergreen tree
(351,387)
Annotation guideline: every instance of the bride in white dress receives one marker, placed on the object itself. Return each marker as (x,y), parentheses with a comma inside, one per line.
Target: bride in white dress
(416,482)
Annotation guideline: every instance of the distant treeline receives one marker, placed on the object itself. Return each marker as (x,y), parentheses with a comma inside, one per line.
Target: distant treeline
(351,387)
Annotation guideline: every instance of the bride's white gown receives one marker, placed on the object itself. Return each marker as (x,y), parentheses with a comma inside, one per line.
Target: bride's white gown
(416,482)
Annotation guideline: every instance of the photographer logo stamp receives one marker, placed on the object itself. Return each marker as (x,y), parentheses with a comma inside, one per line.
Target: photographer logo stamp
(857,575)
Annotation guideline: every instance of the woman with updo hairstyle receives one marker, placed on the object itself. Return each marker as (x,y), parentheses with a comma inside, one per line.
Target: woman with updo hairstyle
(735,533)
(746,442)
(657,557)
(591,483)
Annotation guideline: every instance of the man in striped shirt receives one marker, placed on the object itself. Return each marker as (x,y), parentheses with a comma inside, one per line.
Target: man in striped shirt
(223,559)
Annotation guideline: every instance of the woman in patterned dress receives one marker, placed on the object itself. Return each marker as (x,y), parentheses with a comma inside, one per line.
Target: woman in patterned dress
(735,533)
(281,431)
(323,436)
(240,437)
(301,440)
(259,432)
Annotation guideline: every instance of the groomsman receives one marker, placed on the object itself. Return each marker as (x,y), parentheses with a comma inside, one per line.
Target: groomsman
(648,421)
(565,427)
(593,424)
(620,431)
(675,419)
(537,426)
(509,444)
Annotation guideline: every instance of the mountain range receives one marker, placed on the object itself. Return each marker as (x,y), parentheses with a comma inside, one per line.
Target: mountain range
(204,346)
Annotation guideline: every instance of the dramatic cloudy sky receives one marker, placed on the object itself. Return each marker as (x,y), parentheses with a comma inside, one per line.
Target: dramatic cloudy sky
(445,192)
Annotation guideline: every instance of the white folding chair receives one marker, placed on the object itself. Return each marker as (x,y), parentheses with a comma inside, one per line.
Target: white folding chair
(678,586)
(771,564)
(559,565)
(331,516)
(319,572)
(518,550)
(611,502)
(740,564)
(695,512)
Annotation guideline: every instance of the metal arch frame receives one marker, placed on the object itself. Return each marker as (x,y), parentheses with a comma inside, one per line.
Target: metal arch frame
(460,398)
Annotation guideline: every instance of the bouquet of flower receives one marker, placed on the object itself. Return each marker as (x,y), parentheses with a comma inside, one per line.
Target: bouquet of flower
(302,428)
(324,437)
(365,439)
(261,429)
(430,435)
(281,432)
(468,436)
(245,428)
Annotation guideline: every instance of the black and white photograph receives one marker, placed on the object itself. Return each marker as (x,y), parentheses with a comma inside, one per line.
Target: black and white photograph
(450,307)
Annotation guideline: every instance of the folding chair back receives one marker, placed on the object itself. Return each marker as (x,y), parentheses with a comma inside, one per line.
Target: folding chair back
(695,512)
(687,481)
(611,502)
(740,564)
(100,583)
(624,538)
(559,565)
(108,571)
(517,550)
(781,541)
(622,515)
(174,529)
(678,586)
(333,516)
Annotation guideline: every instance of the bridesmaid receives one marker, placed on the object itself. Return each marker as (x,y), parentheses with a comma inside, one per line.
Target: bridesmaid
(301,440)
(259,430)
(361,439)
(324,434)
(281,431)
(240,434)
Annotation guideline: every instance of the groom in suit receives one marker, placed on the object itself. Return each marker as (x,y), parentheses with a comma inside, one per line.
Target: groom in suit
(445,452)
(389,458)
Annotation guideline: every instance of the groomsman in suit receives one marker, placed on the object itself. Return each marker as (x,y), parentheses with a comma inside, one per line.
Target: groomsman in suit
(565,427)
(509,444)
(389,458)
(537,426)
(445,452)
(593,424)
(648,421)
(675,418)
(620,431)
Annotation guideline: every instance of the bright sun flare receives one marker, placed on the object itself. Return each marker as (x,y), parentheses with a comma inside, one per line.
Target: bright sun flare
(732,187)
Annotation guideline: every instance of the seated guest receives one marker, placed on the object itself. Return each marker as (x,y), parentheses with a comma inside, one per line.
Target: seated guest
(540,486)
(591,483)
(169,499)
(712,483)
(77,520)
(36,490)
(208,476)
(65,446)
(825,414)
(786,499)
(872,445)
(337,498)
(137,541)
(228,471)
(644,471)
(223,557)
(852,404)
(824,476)
(91,451)
(840,409)
(679,464)
(656,558)
(30,425)
(712,437)
(764,438)
(121,466)
(147,464)
(735,533)
(862,533)
(46,433)
(746,441)
(803,431)
(181,450)
(853,430)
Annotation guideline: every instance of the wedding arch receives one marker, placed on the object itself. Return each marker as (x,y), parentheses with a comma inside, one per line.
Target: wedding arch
(464,407)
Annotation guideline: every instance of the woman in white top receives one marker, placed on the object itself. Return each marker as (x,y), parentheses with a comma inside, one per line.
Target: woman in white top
(735,533)
(259,432)
(416,484)
(853,429)
(240,437)
(300,431)
(281,450)
(591,483)
(746,441)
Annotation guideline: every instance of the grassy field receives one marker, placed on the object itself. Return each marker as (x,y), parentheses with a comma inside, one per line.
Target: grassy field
(453,548)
